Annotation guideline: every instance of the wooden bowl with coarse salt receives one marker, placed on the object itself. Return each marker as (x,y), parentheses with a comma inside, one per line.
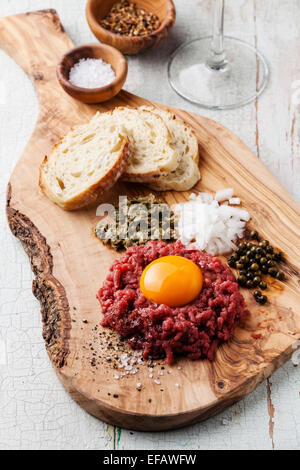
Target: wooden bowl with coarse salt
(84,92)
(97,10)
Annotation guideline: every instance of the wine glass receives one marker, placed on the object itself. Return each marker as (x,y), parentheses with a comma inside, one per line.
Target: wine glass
(218,72)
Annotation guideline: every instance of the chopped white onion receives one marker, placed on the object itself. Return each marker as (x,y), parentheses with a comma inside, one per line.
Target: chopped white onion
(209,226)
(224,194)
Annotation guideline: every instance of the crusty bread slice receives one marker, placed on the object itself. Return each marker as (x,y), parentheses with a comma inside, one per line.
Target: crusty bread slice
(85,163)
(151,140)
(184,140)
(182,179)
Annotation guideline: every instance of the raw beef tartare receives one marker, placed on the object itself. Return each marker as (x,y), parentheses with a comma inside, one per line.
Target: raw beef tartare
(193,330)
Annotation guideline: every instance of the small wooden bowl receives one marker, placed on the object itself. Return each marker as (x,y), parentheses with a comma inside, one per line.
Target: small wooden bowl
(96,10)
(94,51)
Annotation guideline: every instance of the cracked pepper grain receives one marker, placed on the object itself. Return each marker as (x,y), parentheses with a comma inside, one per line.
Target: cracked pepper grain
(126,19)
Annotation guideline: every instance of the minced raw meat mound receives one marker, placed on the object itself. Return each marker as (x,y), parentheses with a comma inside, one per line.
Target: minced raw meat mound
(193,330)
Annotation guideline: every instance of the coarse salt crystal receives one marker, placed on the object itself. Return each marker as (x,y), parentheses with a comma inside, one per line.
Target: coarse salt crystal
(91,73)
(156,381)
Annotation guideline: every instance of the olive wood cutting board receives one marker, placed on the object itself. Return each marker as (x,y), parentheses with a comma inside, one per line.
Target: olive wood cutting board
(70,264)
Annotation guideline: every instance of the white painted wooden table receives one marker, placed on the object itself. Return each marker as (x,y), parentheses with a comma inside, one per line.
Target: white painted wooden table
(35,411)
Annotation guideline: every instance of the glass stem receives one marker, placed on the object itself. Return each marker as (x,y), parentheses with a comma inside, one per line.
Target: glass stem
(217,58)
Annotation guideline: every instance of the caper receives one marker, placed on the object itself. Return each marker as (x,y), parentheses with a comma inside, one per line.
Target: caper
(250,254)
(264,243)
(249,245)
(249,284)
(263,260)
(269,249)
(270,263)
(244,259)
(253,249)
(243,272)
(254,234)
(262,299)
(259,250)
(257,257)
(234,256)
(250,275)
(264,268)
(242,280)
(257,293)
(242,245)
(232,263)
(254,267)
(258,272)
(269,256)
(239,265)
(256,280)
(263,285)
(240,252)
(280,276)
(278,256)
(272,271)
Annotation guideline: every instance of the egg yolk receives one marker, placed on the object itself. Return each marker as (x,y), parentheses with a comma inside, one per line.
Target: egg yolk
(171,280)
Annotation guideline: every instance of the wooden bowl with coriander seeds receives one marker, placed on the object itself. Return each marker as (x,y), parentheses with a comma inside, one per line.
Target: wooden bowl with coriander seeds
(131,26)
(109,55)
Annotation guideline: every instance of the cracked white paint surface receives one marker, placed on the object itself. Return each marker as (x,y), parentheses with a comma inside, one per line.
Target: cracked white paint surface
(35,411)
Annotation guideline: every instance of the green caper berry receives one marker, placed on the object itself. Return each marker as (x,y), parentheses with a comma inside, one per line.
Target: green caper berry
(280,276)
(264,268)
(269,249)
(243,272)
(249,245)
(249,284)
(253,249)
(269,256)
(244,259)
(234,256)
(257,293)
(250,275)
(259,250)
(254,267)
(270,263)
(242,245)
(239,265)
(263,260)
(263,285)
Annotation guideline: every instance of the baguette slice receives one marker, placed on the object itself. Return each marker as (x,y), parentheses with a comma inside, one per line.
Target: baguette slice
(85,163)
(184,140)
(182,179)
(151,140)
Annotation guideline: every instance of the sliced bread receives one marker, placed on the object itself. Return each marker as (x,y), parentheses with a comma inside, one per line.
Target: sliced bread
(185,143)
(85,163)
(153,152)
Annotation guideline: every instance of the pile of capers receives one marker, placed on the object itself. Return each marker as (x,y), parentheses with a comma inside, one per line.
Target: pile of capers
(253,260)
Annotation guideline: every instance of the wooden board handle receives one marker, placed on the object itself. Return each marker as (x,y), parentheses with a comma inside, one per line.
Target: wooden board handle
(35,40)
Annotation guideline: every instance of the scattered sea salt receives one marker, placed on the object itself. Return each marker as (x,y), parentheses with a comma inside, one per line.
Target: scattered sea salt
(156,381)
(91,73)
(116,376)
(176,385)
